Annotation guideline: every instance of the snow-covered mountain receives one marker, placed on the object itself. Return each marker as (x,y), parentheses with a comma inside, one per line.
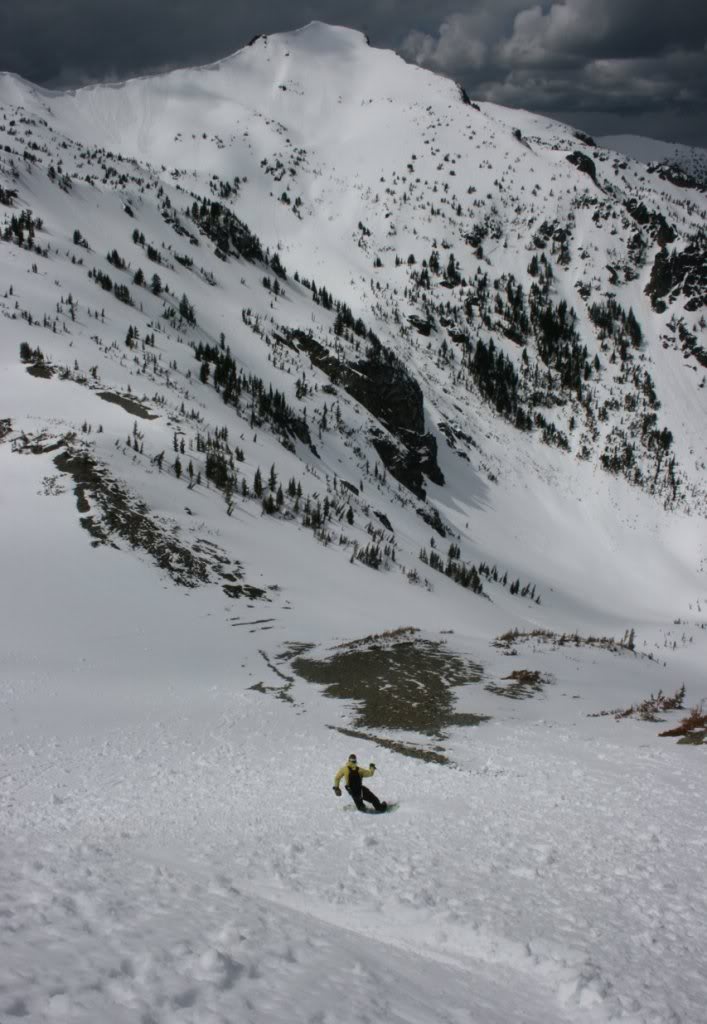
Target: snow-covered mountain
(315,371)
(663,158)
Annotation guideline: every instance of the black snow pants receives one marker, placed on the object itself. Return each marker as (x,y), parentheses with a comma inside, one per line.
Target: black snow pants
(359,794)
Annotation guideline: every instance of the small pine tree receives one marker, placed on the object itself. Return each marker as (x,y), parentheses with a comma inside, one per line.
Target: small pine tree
(278,268)
(186,310)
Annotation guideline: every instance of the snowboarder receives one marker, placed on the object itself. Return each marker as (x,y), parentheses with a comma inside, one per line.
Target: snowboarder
(353,780)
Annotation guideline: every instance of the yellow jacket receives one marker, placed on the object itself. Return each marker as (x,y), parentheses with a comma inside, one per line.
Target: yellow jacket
(343,773)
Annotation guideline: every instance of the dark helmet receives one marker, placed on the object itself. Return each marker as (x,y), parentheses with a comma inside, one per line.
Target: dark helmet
(352,758)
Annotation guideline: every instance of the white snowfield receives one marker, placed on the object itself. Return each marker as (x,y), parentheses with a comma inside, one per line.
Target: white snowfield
(170,846)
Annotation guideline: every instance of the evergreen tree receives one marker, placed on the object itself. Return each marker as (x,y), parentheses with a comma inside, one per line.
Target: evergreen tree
(186,310)
(277,267)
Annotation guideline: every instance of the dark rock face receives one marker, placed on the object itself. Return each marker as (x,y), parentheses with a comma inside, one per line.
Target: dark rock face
(586,139)
(678,176)
(409,465)
(382,384)
(680,274)
(583,163)
(320,356)
(661,231)
(432,517)
(423,327)
(384,520)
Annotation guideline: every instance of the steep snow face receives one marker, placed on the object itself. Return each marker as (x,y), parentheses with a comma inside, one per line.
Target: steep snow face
(337,410)
(538,303)
(312,81)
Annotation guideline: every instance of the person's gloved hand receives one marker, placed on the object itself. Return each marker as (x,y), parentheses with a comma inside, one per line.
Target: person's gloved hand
(337,790)
(371,765)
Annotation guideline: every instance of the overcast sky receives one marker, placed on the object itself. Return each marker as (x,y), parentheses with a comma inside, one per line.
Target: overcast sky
(606,66)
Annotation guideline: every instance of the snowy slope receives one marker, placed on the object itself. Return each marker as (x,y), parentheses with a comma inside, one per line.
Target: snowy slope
(692,159)
(252,459)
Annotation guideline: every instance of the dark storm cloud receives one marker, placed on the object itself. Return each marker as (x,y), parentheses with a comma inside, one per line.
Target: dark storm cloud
(606,65)
(57,42)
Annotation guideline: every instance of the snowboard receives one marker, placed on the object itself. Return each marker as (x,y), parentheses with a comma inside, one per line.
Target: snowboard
(392,806)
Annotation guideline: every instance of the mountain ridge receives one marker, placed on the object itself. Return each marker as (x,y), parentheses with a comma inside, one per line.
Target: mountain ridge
(404,252)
